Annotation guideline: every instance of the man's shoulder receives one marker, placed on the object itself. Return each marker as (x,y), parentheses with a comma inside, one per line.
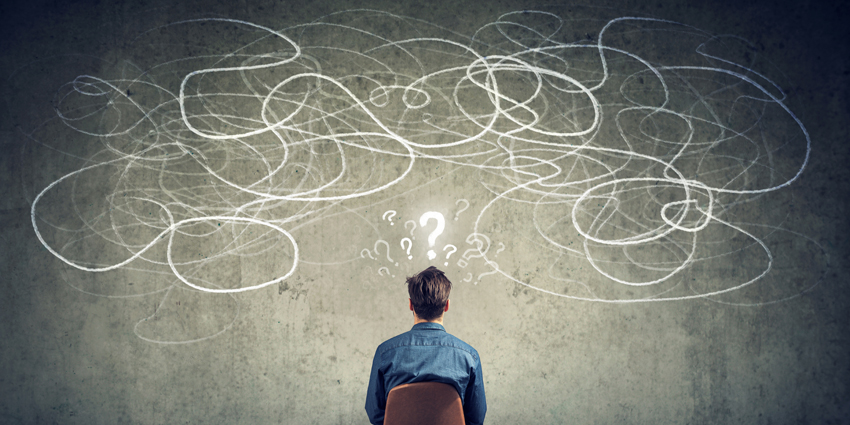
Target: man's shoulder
(445,339)
(459,343)
(400,338)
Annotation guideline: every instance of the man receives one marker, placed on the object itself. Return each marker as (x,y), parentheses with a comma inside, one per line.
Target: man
(427,353)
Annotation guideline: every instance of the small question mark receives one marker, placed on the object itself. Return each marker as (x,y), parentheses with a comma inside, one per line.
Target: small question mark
(382,269)
(479,240)
(464,208)
(390,213)
(454,249)
(495,270)
(409,244)
(432,237)
(412,228)
(369,253)
(379,242)
(468,277)
(500,249)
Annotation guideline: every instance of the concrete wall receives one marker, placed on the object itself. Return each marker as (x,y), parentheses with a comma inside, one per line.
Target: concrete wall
(585,305)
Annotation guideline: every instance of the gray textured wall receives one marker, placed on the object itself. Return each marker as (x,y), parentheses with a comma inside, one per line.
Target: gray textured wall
(586,307)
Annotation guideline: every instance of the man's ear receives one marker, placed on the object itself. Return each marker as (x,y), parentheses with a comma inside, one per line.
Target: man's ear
(446,309)
(411,303)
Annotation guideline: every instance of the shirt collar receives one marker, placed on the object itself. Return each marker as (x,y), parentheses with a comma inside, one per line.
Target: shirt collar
(428,326)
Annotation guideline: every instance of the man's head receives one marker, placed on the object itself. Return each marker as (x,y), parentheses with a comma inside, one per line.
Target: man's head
(429,291)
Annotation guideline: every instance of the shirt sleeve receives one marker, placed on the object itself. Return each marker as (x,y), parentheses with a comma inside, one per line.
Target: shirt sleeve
(475,403)
(376,401)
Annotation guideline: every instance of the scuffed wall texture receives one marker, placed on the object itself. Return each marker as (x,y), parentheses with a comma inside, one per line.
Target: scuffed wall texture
(643,219)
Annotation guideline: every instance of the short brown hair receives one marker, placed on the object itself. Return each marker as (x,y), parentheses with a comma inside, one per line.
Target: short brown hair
(429,290)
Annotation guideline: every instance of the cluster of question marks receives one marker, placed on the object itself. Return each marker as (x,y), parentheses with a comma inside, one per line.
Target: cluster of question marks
(407,243)
(480,241)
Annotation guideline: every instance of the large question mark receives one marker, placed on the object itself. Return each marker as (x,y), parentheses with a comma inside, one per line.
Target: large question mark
(409,244)
(454,249)
(381,241)
(432,238)
(390,213)
(495,270)
(464,208)
(412,228)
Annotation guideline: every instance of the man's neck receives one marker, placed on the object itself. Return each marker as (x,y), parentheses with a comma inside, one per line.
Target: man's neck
(417,320)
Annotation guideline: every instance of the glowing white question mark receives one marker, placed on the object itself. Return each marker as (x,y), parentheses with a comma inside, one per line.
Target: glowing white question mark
(382,269)
(409,244)
(390,213)
(464,208)
(432,238)
(454,249)
(411,229)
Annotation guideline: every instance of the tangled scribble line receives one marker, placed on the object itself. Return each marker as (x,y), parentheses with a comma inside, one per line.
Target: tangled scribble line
(617,153)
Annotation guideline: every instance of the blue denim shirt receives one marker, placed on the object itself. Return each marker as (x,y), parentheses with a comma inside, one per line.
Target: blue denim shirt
(427,353)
